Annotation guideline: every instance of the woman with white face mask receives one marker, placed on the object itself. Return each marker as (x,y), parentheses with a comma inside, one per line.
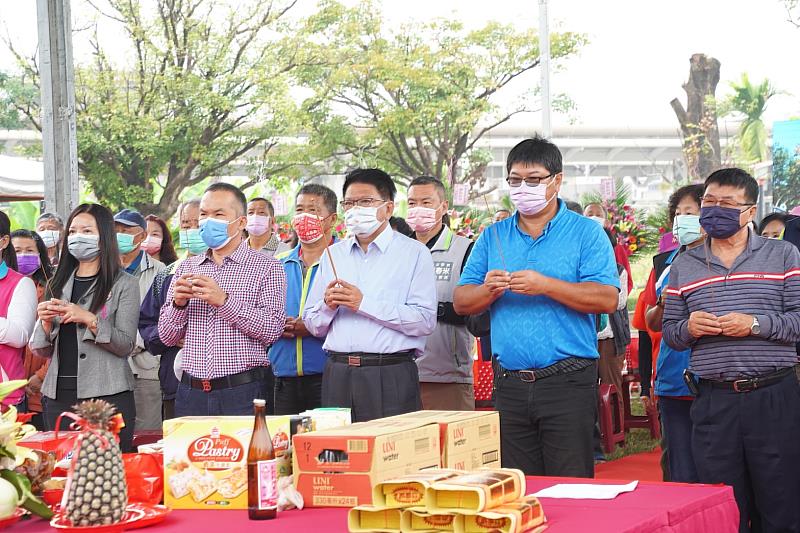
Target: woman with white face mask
(87,322)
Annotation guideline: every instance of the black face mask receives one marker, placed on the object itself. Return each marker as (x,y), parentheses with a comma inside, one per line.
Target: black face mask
(720,222)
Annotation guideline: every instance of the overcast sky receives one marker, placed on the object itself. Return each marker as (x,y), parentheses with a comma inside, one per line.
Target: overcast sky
(637,56)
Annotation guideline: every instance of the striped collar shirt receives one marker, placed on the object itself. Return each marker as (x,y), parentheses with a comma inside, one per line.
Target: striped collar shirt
(233,338)
(764,281)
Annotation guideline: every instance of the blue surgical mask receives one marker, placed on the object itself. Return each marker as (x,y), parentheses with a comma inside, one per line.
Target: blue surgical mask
(215,232)
(190,239)
(125,243)
(3,270)
(687,229)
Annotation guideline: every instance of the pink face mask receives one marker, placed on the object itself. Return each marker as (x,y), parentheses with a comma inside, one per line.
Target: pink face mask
(530,200)
(152,244)
(258,224)
(421,219)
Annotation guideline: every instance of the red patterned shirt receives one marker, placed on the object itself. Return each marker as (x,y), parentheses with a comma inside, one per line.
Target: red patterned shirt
(233,338)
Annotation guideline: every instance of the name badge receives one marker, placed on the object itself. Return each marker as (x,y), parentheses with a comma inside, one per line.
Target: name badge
(443,269)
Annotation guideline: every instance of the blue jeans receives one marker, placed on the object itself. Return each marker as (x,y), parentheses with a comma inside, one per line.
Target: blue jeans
(222,402)
(677,425)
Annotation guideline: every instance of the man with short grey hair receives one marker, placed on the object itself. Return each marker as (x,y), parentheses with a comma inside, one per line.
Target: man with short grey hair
(445,367)
(131,229)
(735,303)
(50,228)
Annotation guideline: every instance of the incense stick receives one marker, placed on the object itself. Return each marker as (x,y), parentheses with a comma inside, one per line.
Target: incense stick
(327,244)
(496,236)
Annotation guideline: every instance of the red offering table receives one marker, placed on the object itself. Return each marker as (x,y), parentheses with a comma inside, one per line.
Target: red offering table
(652,507)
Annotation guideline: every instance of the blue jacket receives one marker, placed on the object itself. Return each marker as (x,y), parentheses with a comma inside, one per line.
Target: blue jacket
(671,362)
(148,329)
(301,356)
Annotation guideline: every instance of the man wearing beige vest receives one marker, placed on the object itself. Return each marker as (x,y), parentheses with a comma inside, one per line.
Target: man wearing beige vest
(445,368)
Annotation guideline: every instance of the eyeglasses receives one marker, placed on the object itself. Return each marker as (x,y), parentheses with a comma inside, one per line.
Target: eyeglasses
(532,181)
(710,201)
(361,202)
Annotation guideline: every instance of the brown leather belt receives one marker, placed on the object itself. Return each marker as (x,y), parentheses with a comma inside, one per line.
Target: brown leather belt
(227,382)
(751,384)
(372,359)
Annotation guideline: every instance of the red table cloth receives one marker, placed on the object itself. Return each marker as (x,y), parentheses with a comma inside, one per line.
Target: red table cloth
(652,507)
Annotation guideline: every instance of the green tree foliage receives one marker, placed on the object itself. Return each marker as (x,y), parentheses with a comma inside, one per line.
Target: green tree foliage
(749,101)
(14,89)
(417,99)
(207,84)
(785,178)
(22,214)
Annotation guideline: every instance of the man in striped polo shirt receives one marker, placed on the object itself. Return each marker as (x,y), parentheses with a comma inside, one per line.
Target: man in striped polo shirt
(735,302)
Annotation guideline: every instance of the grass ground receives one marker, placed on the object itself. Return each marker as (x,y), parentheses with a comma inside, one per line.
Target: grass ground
(640,270)
(636,440)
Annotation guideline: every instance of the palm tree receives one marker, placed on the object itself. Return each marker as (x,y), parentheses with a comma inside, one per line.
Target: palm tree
(750,100)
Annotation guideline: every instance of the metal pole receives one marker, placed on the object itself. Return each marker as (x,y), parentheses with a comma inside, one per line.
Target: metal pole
(544,55)
(59,143)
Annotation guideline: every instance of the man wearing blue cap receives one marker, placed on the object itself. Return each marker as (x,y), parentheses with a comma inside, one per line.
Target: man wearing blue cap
(131,229)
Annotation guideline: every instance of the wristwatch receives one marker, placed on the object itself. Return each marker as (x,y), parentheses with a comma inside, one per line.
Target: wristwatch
(755,329)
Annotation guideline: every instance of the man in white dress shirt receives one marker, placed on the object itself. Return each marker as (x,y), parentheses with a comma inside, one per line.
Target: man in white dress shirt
(377,314)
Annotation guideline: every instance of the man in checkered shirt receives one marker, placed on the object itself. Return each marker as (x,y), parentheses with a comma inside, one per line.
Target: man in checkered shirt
(228,307)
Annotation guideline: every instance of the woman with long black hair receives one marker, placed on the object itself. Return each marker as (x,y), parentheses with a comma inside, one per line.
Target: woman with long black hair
(159,241)
(87,324)
(32,258)
(17,313)
(33,261)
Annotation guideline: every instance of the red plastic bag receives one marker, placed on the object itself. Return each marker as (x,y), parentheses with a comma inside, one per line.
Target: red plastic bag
(145,475)
(47,441)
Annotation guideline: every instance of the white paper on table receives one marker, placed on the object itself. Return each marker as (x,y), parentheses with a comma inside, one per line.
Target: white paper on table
(585,491)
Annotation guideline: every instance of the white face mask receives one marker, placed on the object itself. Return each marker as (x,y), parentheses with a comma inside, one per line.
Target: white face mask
(50,237)
(599,220)
(362,221)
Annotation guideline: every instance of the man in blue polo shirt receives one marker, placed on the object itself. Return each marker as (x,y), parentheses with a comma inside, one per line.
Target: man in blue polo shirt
(543,273)
(297,358)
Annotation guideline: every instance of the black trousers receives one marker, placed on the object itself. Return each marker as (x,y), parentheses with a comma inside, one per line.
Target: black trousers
(372,391)
(296,394)
(546,427)
(269,389)
(123,401)
(751,441)
(167,409)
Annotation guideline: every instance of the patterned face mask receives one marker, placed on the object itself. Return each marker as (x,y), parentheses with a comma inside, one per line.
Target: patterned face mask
(308,227)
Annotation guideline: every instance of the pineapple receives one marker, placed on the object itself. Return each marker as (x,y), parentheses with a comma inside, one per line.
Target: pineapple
(97,493)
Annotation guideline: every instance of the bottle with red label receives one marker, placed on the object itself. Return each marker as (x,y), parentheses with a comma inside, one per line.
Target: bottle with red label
(262,469)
